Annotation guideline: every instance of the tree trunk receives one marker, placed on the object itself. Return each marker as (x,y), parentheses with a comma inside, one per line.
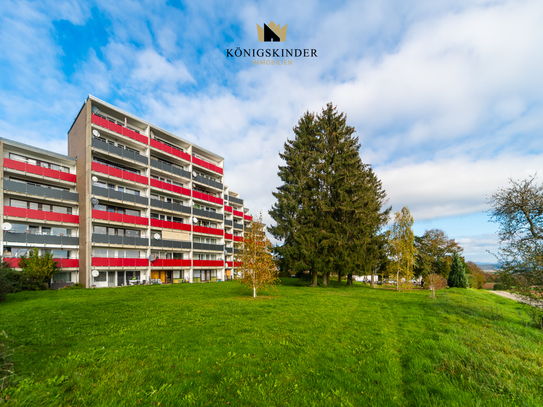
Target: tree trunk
(398,280)
(254,291)
(372,279)
(350,279)
(326,279)
(315,275)
(339,277)
(433,292)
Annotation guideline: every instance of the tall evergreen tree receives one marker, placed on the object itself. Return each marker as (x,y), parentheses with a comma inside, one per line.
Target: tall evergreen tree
(329,207)
(457,274)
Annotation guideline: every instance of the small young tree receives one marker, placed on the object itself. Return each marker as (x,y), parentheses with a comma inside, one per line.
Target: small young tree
(257,267)
(36,269)
(457,274)
(435,282)
(402,246)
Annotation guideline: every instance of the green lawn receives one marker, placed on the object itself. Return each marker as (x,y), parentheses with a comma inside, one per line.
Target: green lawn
(209,344)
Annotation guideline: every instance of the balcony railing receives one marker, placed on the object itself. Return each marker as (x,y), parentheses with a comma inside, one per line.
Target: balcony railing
(42,215)
(44,192)
(207,263)
(170,225)
(171,263)
(207,197)
(248,217)
(238,213)
(62,263)
(31,238)
(207,214)
(121,152)
(209,182)
(238,225)
(170,187)
(228,209)
(122,240)
(170,168)
(170,206)
(119,129)
(228,236)
(207,165)
(233,263)
(209,231)
(235,200)
(35,169)
(170,244)
(119,262)
(238,238)
(208,246)
(121,196)
(117,217)
(115,172)
(170,150)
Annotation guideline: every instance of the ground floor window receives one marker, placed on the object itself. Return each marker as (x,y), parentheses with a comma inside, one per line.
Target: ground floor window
(62,278)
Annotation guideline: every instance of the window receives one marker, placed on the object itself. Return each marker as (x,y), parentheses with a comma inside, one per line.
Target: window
(62,277)
(101,277)
(132,254)
(39,206)
(57,254)
(99,252)
(43,164)
(100,230)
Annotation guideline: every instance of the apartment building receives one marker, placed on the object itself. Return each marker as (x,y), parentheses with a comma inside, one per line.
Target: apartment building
(147,205)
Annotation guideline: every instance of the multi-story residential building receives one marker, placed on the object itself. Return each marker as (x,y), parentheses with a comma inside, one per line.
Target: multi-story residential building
(147,205)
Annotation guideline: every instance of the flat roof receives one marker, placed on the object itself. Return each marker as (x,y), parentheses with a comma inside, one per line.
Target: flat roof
(36,149)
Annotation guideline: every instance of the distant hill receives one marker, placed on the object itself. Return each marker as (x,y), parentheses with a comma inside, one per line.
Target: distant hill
(488,266)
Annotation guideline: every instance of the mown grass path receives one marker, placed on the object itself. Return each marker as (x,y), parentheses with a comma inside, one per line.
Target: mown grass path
(208,344)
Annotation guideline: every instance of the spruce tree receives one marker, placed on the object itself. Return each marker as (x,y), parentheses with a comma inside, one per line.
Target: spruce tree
(329,208)
(457,274)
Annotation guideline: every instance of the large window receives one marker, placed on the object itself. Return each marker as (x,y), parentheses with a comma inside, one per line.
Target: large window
(115,165)
(34,161)
(117,209)
(40,206)
(103,230)
(116,253)
(116,187)
(167,218)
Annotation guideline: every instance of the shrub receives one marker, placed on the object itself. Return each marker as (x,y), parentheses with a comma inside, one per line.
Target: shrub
(500,287)
(76,286)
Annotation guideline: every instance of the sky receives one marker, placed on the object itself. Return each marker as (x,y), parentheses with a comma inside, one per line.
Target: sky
(446,96)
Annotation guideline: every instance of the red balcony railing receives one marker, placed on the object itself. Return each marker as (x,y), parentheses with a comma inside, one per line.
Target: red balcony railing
(207,263)
(171,263)
(36,169)
(207,197)
(62,263)
(170,187)
(119,129)
(116,262)
(118,217)
(42,215)
(238,238)
(115,172)
(238,213)
(228,236)
(170,225)
(210,231)
(228,209)
(171,150)
(207,165)
(233,263)
(247,217)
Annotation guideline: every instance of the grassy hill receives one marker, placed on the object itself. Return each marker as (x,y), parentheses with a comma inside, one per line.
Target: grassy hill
(208,344)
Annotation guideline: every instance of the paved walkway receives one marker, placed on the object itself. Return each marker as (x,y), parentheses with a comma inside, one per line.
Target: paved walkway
(518,298)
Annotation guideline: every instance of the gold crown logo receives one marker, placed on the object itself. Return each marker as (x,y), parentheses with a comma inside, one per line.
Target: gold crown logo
(271,32)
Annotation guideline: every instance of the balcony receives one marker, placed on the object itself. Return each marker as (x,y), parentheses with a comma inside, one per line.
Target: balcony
(34,169)
(171,263)
(207,197)
(207,214)
(42,192)
(119,129)
(238,226)
(207,246)
(62,263)
(248,217)
(121,196)
(235,200)
(170,225)
(30,238)
(117,217)
(115,172)
(120,240)
(228,222)
(170,244)
(228,209)
(207,263)
(170,168)
(170,187)
(119,262)
(41,215)
(228,236)
(170,206)
(238,213)
(209,231)
(207,181)
(228,250)
(121,152)
(207,165)
(238,238)
(233,263)
(170,150)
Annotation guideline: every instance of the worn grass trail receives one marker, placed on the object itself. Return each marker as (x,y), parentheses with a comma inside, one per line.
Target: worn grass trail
(208,344)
